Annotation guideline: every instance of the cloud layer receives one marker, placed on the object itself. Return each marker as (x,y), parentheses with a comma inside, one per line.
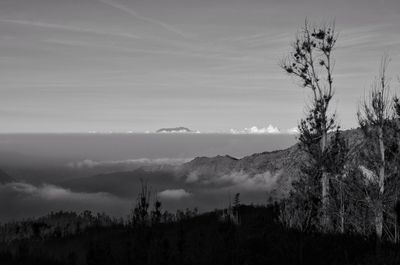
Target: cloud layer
(270,129)
(238,179)
(88,163)
(52,192)
(293,130)
(255,130)
(174,194)
(24,200)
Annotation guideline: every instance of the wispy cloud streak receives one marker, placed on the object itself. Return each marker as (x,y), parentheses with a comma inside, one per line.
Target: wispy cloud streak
(68,28)
(135,14)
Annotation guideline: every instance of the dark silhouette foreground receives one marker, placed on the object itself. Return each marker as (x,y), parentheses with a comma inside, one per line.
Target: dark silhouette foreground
(185,238)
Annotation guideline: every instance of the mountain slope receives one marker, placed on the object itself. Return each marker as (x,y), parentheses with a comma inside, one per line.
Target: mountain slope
(282,165)
(271,172)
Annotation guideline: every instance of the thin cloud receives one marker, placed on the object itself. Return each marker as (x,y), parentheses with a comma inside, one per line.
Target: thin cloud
(87,163)
(141,50)
(52,192)
(364,36)
(261,39)
(264,181)
(133,13)
(68,28)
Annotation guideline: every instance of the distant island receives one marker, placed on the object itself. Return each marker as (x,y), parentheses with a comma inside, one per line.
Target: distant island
(175,130)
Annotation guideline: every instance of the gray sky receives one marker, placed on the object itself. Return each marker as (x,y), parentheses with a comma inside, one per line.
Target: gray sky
(210,65)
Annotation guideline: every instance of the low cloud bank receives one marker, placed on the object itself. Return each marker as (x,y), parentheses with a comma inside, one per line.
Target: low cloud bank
(52,192)
(87,163)
(265,181)
(174,194)
(255,130)
(293,130)
(262,181)
(23,200)
(264,130)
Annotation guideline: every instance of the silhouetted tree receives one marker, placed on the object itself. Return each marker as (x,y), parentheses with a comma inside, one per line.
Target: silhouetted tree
(156,213)
(140,214)
(375,119)
(311,63)
(395,166)
(335,160)
(301,210)
(236,205)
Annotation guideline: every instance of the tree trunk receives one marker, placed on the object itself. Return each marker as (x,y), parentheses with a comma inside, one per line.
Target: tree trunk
(379,207)
(378,226)
(341,222)
(325,201)
(341,208)
(396,237)
(382,162)
(325,187)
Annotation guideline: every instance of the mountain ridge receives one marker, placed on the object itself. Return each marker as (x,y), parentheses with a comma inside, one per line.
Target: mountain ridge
(270,171)
(285,164)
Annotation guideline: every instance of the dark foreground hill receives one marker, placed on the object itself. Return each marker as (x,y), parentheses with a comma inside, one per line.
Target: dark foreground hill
(187,238)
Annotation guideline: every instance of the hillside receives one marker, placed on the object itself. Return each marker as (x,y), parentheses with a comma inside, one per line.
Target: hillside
(271,172)
(282,164)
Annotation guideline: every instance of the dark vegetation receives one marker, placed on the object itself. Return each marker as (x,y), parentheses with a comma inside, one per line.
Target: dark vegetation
(339,190)
(256,237)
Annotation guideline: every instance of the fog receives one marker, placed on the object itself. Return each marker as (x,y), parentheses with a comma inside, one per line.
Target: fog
(102,173)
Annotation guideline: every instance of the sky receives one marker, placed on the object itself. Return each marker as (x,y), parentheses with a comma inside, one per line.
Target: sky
(210,65)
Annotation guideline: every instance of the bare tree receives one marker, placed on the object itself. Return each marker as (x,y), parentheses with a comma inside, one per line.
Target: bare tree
(140,214)
(375,115)
(156,212)
(311,63)
(396,166)
(335,161)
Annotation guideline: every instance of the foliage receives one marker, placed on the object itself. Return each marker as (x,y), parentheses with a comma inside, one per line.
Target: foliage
(140,213)
(311,63)
(200,239)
